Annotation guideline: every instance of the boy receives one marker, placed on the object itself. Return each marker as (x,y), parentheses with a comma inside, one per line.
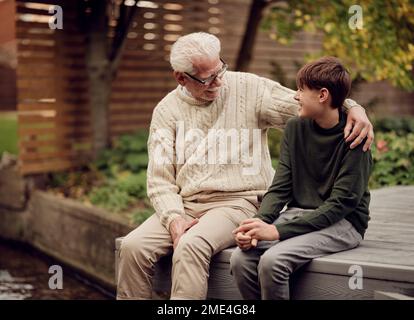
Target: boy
(321,180)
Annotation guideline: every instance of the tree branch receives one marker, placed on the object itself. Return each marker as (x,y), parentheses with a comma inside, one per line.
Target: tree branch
(246,49)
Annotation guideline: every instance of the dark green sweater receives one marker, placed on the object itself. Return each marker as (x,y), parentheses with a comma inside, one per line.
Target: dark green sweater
(317,170)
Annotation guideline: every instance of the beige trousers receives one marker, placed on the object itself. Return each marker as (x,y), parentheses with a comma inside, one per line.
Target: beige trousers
(145,245)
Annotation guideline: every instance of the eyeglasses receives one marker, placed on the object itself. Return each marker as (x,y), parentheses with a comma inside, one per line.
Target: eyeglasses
(211,79)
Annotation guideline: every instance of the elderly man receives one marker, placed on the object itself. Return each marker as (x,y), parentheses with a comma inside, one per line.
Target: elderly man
(200,189)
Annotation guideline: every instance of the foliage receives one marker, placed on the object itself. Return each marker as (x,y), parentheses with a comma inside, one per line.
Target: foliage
(129,153)
(120,193)
(111,198)
(400,125)
(274,139)
(116,181)
(382,49)
(134,184)
(393,157)
(76,184)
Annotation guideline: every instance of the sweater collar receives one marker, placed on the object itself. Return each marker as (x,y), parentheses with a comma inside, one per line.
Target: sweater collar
(339,127)
(186,97)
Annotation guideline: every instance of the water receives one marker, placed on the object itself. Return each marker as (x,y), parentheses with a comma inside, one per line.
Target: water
(24,274)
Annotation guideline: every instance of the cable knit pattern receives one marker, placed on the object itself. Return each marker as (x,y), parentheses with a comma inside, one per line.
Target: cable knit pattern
(246,103)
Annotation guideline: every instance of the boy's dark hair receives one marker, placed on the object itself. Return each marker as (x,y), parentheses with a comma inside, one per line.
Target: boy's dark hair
(329,73)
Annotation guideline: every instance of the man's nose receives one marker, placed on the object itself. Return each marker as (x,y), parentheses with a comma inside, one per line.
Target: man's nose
(217,82)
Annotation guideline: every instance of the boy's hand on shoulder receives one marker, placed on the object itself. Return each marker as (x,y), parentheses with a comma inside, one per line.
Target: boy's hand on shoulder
(256,229)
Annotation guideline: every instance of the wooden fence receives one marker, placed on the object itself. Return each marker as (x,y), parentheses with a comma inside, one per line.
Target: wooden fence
(53,114)
(7,57)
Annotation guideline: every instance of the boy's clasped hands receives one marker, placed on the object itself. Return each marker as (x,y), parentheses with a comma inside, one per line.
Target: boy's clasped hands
(253,230)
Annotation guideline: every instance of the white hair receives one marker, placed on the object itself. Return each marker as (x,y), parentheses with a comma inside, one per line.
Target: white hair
(192,46)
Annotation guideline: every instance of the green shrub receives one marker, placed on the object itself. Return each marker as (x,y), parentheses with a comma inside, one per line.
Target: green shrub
(129,153)
(134,184)
(274,138)
(393,157)
(110,198)
(120,193)
(136,162)
(58,179)
(116,181)
(75,184)
(399,125)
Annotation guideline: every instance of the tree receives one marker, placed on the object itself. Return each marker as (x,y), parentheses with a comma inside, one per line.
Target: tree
(103,58)
(383,49)
(253,22)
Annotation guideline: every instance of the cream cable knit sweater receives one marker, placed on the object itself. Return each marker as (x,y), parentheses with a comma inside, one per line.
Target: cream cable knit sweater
(181,128)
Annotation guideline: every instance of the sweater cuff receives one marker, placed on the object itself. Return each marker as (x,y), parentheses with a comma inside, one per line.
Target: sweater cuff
(284,232)
(349,103)
(288,230)
(264,218)
(166,219)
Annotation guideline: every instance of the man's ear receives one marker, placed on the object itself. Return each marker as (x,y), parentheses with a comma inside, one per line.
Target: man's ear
(179,76)
(323,95)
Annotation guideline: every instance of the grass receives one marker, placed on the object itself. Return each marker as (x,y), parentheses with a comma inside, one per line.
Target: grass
(8,132)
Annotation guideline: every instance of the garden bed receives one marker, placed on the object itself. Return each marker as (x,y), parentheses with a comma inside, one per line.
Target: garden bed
(116,181)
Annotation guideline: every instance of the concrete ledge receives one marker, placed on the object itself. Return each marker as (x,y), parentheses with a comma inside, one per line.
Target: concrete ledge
(80,236)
